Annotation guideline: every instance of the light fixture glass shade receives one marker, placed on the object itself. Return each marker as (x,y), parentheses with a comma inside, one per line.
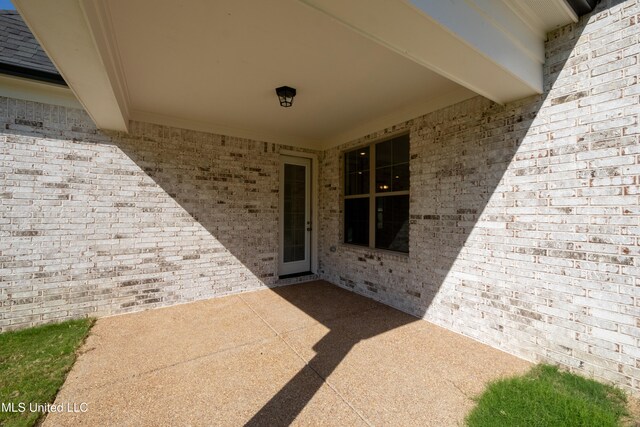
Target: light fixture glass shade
(285,95)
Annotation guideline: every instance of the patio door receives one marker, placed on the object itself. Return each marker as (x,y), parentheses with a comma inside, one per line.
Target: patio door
(295,215)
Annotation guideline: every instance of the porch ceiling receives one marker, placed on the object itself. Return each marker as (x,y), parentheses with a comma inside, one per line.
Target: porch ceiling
(225,71)
(358,66)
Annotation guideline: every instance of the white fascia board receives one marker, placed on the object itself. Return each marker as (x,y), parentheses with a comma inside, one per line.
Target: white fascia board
(32,90)
(505,20)
(62,29)
(543,16)
(453,38)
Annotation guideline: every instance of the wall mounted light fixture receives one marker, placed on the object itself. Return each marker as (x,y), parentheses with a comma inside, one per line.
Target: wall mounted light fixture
(285,95)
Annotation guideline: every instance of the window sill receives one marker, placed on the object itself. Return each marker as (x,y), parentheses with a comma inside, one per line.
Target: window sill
(403,256)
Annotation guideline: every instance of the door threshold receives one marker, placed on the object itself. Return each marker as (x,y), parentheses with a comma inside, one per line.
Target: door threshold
(293,275)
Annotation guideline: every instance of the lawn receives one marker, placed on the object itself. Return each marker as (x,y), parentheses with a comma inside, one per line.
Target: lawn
(33,365)
(547,396)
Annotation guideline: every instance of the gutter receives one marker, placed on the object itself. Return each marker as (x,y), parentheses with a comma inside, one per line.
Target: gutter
(582,7)
(30,73)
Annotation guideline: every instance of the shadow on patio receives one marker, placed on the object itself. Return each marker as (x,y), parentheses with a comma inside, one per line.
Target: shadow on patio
(304,354)
(308,353)
(379,364)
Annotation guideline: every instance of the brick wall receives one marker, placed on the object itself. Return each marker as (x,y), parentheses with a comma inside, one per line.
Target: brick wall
(524,218)
(95,224)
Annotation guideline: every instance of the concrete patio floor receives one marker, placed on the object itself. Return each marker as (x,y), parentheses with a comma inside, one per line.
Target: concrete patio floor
(310,354)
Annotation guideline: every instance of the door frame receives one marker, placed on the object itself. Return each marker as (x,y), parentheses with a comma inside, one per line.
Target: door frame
(313,243)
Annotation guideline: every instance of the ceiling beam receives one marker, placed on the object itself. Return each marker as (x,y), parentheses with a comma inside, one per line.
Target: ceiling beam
(480,44)
(71,34)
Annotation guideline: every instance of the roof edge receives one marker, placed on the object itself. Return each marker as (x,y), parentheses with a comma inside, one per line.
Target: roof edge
(582,7)
(30,73)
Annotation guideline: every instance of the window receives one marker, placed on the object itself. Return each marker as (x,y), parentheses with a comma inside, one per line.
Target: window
(376,195)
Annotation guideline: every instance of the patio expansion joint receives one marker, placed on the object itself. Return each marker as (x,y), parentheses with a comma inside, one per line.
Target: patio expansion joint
(324,380)
(171,365)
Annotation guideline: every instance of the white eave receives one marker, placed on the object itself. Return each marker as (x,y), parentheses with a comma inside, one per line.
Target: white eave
(37,91)
(63,30)
(494,48)
(480,44)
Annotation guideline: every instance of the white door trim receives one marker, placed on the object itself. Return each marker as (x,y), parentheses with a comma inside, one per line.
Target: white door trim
(313,244)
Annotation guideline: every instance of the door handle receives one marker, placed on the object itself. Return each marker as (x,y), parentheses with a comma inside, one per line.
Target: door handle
(308,228)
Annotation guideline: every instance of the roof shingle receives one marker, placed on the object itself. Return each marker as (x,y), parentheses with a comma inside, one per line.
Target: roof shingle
(18,46)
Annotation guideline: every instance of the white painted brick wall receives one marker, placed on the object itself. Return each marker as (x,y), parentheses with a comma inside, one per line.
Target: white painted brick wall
(95,224)
(525,217)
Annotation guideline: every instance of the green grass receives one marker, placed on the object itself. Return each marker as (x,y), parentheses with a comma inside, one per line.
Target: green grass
(34,363)
(546,396)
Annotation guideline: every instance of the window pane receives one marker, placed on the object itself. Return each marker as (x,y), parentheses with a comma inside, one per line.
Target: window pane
(357,183)
(294,212)
(401,149)
(384,155)
(356,221)
(384,179)
(392,223)
(400,181)
(392,165)
(356,166)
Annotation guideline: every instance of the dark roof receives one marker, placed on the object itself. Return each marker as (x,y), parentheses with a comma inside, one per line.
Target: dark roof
(20,52)
(581,7)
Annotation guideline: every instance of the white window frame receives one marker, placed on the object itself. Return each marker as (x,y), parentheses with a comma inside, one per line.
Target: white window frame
(372,195)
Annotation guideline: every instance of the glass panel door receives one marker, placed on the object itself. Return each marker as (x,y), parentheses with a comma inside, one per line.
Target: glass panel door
(294,212)
(295,215)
